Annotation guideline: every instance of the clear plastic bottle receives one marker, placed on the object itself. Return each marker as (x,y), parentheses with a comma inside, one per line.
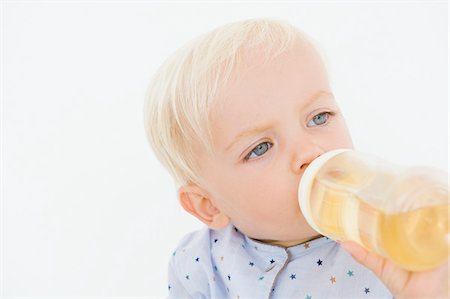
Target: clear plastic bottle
(401,213)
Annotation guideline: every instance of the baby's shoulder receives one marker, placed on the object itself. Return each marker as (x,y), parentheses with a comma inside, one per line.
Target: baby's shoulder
(201,242)
(198,247)
(194,241)
(192,249)
(190,264)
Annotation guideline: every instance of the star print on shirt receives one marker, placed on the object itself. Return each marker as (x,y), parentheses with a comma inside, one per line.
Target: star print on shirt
(312,281)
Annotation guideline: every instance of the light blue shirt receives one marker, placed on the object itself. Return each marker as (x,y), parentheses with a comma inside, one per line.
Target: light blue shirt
(227,264)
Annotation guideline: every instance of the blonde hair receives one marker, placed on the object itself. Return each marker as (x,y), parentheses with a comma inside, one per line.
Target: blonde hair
(183,90)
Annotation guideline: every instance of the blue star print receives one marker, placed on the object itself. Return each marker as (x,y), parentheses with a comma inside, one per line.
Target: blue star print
(206,261)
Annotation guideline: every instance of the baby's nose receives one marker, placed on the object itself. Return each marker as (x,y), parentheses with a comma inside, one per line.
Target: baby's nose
(304,155)
(303,167)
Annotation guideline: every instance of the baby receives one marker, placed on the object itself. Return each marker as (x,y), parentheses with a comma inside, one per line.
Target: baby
(236,116)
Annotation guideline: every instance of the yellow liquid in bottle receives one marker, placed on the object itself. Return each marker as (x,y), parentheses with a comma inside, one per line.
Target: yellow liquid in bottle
(415,240)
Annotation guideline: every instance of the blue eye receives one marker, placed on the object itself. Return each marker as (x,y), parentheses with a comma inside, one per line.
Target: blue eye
(319,119)
(259,150)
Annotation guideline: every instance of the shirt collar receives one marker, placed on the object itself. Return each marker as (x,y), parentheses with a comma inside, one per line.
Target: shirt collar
(293,251)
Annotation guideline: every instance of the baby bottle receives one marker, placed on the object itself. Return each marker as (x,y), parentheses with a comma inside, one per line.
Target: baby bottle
(399,212)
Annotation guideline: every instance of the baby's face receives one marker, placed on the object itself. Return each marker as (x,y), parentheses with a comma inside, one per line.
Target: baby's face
(273,122)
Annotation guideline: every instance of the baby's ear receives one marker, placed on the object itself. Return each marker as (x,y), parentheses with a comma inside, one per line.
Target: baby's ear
(195,201)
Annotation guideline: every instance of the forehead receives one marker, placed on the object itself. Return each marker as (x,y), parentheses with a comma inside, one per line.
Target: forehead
(258,91)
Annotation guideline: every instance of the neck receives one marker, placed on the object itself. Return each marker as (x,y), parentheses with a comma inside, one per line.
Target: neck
(291,242)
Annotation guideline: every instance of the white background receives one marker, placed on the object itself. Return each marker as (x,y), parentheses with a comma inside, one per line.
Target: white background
(87,211)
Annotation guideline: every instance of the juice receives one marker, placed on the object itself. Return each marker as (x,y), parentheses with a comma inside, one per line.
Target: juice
(416,239)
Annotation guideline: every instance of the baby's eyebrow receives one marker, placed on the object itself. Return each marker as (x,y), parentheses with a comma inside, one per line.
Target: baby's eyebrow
(265,127)
(250,132)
